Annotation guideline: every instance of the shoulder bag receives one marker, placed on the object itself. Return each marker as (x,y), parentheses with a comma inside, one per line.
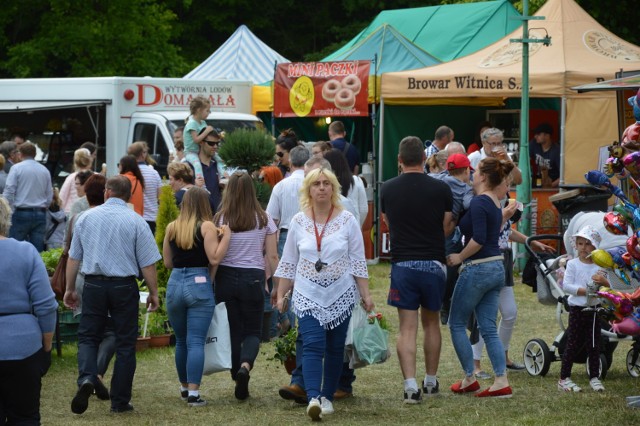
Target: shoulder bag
(59,278)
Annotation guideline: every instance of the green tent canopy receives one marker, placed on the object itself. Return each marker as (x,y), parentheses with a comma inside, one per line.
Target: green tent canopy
(447,32)
(395,52)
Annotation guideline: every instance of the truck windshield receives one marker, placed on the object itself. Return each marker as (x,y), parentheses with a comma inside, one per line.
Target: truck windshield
(225,125)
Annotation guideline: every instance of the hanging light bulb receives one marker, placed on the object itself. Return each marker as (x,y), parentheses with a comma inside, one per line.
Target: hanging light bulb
(327,120)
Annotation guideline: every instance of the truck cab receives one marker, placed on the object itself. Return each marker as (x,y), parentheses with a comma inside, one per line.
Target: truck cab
(157,128)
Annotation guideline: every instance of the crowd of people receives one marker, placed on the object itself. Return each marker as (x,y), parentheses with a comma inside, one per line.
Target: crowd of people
(301,260)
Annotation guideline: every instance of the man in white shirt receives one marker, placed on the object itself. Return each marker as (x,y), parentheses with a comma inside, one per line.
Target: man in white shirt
(285,197)
(492,145)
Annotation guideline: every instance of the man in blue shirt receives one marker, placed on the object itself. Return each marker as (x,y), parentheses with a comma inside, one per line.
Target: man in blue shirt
(336,135)
(29,192)
(110,265)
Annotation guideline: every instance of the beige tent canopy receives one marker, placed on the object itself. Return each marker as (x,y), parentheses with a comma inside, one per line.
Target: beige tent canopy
(581,51)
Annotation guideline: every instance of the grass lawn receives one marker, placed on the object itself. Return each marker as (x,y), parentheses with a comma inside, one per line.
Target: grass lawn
(377,390)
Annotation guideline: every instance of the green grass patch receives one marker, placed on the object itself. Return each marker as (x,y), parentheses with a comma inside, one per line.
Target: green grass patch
(377,391)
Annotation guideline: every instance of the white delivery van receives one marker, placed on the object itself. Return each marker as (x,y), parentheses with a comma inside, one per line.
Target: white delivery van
(60,114)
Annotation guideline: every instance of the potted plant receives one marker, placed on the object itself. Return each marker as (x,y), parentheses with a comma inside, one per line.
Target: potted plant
(51,258)
(159,330)
(285,349)
(249,150)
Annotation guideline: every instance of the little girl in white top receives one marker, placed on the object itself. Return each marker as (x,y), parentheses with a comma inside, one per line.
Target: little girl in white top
(200,108)
(582,278)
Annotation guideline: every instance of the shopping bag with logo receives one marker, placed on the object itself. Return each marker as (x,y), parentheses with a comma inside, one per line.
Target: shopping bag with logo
(217,346)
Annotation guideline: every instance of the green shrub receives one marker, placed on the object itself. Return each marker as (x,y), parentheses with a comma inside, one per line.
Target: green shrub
(167,213)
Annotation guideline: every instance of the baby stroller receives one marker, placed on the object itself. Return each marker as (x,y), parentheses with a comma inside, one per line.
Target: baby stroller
(537,354)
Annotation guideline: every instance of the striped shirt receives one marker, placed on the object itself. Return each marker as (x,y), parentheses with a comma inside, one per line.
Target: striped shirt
(152,183)
(430,150)
(246,249)
(113,240)
(284,202)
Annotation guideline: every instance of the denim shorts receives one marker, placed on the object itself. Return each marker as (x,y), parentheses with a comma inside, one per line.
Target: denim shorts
(417,283)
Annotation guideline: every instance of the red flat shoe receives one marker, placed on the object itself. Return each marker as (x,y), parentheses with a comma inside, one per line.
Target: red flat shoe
(500,393)
(457,387)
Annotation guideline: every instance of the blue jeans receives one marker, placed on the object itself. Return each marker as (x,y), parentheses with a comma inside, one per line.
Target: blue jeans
(347,377)
(281,240)
(190,305)
(101,298)
(477,291)
(29,225)
(323,352)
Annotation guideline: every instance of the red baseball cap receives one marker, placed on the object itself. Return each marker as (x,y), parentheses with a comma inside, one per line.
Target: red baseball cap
(458,161)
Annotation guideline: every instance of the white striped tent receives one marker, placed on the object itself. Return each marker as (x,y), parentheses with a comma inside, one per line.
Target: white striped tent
(242,57)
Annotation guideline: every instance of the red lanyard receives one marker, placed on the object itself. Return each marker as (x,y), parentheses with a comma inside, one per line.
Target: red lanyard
(315,228)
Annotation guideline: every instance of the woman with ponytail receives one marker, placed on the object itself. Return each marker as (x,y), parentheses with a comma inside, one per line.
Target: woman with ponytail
(481,278)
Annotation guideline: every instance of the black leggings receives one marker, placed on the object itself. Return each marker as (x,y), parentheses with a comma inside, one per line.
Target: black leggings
(242,289)
(584,329)
(20,390)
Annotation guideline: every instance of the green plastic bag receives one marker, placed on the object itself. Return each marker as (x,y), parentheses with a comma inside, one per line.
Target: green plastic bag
(371,343)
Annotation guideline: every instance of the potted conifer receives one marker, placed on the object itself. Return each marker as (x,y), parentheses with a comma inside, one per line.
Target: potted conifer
(249,150)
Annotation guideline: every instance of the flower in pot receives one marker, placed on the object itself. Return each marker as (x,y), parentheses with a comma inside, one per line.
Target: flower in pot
(285,349)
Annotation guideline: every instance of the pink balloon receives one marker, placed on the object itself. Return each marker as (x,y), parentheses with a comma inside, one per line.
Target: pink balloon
(628,326)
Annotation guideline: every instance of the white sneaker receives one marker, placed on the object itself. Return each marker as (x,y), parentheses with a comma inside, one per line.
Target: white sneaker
(596,385)
(567,385)
(412,396)
(327,406)
(314,409)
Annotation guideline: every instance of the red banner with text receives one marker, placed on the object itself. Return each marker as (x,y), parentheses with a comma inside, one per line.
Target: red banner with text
(321,89)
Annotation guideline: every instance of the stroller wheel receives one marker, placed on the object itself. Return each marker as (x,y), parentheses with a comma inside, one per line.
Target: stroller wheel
(604,367)
(537,357)
(633,367)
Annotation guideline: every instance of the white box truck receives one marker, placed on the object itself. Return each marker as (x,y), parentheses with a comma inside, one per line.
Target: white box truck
(60,114)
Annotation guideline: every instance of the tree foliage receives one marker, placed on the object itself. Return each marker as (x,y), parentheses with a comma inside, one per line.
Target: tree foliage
(167,38)
(90,38)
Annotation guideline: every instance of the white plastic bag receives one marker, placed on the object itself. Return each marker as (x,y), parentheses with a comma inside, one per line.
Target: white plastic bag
(217,346)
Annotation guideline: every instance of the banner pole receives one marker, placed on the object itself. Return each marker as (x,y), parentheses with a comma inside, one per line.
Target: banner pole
(372,160)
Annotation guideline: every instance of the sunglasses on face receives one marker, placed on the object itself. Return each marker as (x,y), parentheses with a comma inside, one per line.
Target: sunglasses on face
(213,143)
(280,154)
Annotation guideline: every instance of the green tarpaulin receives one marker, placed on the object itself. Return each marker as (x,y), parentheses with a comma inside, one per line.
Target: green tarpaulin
(395,52)
(447,32)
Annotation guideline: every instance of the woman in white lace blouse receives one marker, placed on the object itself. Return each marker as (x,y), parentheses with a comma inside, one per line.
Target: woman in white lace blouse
(324,255)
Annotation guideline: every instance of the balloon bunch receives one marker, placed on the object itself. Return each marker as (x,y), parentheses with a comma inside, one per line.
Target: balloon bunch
(623,307)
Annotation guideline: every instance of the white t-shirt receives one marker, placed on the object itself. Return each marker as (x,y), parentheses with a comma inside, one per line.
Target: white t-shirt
(577,275)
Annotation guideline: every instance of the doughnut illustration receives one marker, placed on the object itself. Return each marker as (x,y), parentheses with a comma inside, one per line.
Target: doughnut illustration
(345,99)
(330,89)
(352,82)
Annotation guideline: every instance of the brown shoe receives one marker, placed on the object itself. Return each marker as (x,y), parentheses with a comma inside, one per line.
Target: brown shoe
(340,394)
(293,393)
